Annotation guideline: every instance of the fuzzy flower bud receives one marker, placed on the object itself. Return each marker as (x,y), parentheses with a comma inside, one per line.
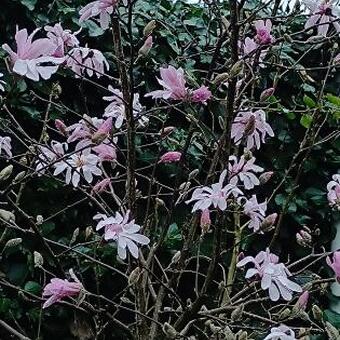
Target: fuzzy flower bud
(170,157)
(7,215)
(149,28)
(236,69)
(268,222)
(6,173)
(301,303)
(221,78)
(266,94)
(38,259)
(169,331)
(205,221)
(265,177)
(167,131)
(101,186)
(145,49)
(61,127)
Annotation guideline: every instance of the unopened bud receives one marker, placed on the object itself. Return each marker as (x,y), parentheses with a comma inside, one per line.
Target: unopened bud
(265,177)
(169,331)
(20,176)
(13,242)
(23,161)
(134,276)
(101,186)
(160,202)
(317,313)
(248,155)
(145,49)
(176,257)
(301,303)
(74,235)
(285,314)
(205,221)
(236,314)
(236,69)
(38,259)
(7,215)
(268,222)
(167,131)
(193,174)
(266,94)
(149,28)
(61,127)
(221,78)
(88,232)
(6,172)
(241,335)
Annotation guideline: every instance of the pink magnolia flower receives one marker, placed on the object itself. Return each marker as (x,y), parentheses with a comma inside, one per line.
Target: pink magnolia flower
(103,131)
(33,59)
(61,39)
(281,333)
(48,155)
(335,264)
(84,162)
(2,83)
(85,129)
(170,157)
(249,49)
(173,82)
(101,186)
(323,13)
(273,275)
(263,29)
(252,127)
(59,289)
(333,194)
(201,95)
(5,146)
(101,8)
(123,231)
(243,170)
(256,211)
(83,60)
(105,152)
(116,108)
(337,59)
(215,195)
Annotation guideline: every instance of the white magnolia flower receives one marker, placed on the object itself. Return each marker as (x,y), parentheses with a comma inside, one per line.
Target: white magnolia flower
(243,170)
(333,194)
(281,333)
(123,231)
(274,275)
(50,154)
(216,195)
(116,108)
(84,162)
(256,211)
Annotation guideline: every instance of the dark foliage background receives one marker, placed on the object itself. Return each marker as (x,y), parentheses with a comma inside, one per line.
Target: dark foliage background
(180,40)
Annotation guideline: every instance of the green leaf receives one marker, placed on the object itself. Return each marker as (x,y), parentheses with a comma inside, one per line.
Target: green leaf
(332,317)
(333,99)
(32,287)
(309,101)
(306,120)
(30,4)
